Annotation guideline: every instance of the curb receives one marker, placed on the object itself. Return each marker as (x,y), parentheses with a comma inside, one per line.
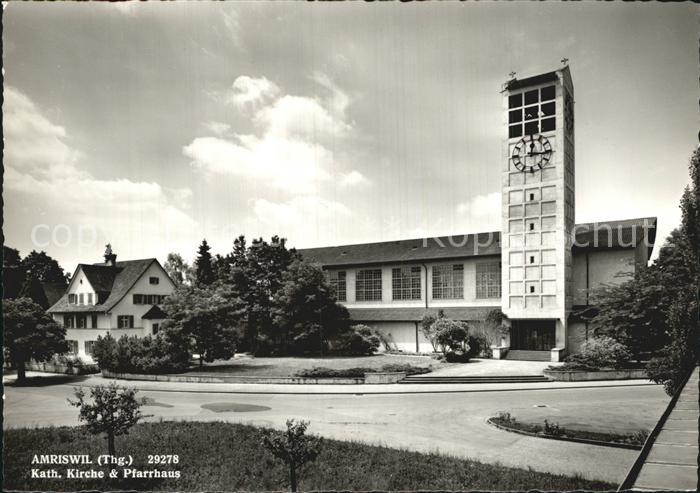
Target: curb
(627,446)
(370,393)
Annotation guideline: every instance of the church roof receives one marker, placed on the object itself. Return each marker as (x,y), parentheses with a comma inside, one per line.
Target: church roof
(600,235)
(111,283)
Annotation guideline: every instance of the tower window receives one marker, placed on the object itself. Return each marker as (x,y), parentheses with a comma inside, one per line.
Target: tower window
(548,109)
(515,100)
(536,108)
(532,289)
(547,93)
(548,125)
(532,196)
(532,97)
(531,226)
(532,259)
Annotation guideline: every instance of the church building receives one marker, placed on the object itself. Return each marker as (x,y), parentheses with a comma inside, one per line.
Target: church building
(539,269)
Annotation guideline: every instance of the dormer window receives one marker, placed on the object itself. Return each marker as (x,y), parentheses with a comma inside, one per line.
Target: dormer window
(89,298)
(72,299)
(81,299)
(154,280)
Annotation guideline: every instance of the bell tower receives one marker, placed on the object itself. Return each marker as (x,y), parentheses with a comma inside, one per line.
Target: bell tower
(538,210)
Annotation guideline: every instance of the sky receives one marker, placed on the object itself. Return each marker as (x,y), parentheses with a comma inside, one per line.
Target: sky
(154,125)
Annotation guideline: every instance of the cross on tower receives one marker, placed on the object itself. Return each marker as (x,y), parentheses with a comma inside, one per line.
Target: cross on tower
(565,61)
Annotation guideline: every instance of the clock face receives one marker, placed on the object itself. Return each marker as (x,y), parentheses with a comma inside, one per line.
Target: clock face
(569,114)
(531,153)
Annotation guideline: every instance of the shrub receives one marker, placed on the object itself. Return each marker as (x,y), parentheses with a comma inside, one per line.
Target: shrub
(457,357)
(406,368)
(479,345)
(428,329)
(149,355)
(451,335)
(600,352)
(323,372)
(360,341)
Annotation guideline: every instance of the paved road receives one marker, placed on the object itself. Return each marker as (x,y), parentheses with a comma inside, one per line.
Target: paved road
(451,423)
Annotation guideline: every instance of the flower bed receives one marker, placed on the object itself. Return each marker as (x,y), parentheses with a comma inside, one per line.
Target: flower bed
(506,422)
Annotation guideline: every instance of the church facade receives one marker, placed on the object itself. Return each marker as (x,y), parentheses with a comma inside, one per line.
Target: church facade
(539,270)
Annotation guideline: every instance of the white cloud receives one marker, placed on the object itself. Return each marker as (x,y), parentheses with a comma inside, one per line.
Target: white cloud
(293,148)
(249,91)
(352,179)
(481,213)
(303,220)
(287,164)
(42,167)
(218,128)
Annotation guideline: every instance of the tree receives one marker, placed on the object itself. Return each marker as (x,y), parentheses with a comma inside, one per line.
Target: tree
(12,273)
(451,336)
(10,257)
(113,411)
(426,325)
(682,353)
(43,267)
(178,270)
(30,333)
(208,317)
(637,312)
(203,265)
(256,275)
(294,447)
(305,311)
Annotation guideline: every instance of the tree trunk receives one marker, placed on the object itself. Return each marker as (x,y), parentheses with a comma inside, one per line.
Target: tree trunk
(201,360)
(21,372)
(293,477)
(110,443)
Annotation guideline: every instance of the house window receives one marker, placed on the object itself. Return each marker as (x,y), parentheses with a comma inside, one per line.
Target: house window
(72,346)
(89,347)
(488,280)
(94,321)
(125,322)
(532,114)
(405,283)
(148,299)
(448,282)
(72,299)
(337,279)
(68,321)
(154,280)
(368,285)
(156,328)
(89,298)
(80,321)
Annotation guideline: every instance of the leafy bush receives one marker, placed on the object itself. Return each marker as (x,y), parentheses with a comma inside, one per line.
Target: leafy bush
(599,352)
(360,341)
(428,329)
(451,335)
(479,345)
(359,372)
(406,368)
(323,372)
(457,357)
(149,355)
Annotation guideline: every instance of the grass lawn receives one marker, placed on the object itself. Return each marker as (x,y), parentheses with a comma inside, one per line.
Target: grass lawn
(219,456)
(288,366)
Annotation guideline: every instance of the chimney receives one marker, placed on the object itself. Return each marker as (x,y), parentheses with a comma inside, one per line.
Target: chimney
(110,258)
